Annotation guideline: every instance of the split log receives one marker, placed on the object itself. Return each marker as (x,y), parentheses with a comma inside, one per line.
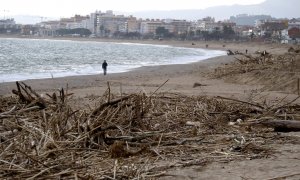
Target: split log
(281,125)
(252,104)
(198,84)
(111,103)
(229,52)
(28,95)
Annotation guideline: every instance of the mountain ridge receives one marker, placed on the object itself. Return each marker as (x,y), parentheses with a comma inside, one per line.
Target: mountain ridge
(275,8)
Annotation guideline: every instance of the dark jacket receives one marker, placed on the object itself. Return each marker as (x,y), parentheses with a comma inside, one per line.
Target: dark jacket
(104,65)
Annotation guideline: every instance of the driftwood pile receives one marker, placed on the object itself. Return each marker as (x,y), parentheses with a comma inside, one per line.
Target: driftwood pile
(133,136)
(294,50)
(259,62)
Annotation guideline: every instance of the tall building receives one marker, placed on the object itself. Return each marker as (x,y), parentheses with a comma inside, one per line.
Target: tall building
(6,23)
(132,25)
(150,26)
(180,26)
(108,23)
(92,25)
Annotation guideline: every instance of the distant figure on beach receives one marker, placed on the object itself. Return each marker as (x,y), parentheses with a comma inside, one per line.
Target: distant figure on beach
(206,45)
(246,51)
(104,67)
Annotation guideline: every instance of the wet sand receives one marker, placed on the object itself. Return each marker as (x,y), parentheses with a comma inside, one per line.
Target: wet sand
(181,78)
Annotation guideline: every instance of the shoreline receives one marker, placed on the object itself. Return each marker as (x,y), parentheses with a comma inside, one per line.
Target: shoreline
(214,45)
(181,76)
(205,54)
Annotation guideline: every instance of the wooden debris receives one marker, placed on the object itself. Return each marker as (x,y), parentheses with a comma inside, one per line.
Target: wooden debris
(127,137)
(293,50)
(281,125)
(26,94)
(198,84)
(229,52)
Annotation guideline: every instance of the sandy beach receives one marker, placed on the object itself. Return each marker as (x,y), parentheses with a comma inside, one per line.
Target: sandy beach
(190,80)
(181,78)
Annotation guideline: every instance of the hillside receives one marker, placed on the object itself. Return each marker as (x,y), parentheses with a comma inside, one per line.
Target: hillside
(275,8)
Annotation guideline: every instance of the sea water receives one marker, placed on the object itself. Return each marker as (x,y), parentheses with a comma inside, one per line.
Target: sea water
(22,59)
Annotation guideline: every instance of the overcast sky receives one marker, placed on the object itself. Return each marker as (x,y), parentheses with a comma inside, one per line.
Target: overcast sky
(67,8)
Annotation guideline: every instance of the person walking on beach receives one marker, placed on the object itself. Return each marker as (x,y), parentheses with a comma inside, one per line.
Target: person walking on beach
(104,67)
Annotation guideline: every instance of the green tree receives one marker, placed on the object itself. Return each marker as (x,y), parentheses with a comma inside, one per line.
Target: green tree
(162,32)
(228,31)
(101,28)
(252,35)
(80,31)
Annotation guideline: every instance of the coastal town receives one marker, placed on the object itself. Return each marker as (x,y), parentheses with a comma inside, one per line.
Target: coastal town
(243,27)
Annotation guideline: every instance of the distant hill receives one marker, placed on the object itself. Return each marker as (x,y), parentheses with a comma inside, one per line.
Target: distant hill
(27,19)
(274,8)
(249,19)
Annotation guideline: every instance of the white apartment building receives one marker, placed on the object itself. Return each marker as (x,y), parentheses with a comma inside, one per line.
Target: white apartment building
(107,24)
(92,24)
(206,24)
(180,26)
(294,23)
(83,24)
(6,23)
(132,25)
(149,27)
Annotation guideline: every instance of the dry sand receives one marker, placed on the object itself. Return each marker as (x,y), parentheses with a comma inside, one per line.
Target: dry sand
(181,79)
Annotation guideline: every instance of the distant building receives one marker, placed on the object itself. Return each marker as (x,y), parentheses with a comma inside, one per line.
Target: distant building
(294,32)
(149,27)
(8,26)
(205,24)
(5,23)
(180,26)
(48,28)
(92,24)
(245,31)
(132,25)
(294,23)
(272,29)
(77,22)
(29,30)
(105,24)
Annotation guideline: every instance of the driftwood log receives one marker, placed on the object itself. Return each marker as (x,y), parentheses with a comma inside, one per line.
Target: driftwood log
(229,52)
(281,125)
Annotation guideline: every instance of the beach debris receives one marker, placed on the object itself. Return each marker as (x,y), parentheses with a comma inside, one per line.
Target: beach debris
(29,96)
(293,50)
(259,68)
(280,125)
(192,123)
(198,84)
(130,136)
(229,52)
(264,53)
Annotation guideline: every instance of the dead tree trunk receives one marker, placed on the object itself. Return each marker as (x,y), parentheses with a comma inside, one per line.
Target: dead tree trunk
(281,125)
